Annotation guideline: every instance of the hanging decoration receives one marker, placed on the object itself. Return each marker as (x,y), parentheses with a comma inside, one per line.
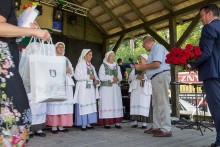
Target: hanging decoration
(61,1)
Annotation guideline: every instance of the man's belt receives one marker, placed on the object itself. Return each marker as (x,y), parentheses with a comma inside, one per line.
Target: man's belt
(158,73)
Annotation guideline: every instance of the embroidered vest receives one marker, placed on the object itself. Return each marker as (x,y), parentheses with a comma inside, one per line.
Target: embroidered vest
(109,72)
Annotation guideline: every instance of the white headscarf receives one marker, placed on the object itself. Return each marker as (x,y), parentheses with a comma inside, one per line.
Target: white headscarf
(83,53)
(105,60)
(145,56)
(58,43)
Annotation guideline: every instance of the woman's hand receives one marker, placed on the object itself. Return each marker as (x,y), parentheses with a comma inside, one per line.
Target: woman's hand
(96,82)
(42,34)
(115,80)
(68,70)
(92,76)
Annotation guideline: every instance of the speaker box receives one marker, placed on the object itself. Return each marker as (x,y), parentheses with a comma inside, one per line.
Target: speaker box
(72,19)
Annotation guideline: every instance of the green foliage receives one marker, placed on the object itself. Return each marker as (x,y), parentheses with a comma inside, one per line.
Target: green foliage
(193,37)
(125,52)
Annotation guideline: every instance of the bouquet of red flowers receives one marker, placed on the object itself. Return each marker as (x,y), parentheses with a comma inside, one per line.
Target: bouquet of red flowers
(182,57)
(37,4)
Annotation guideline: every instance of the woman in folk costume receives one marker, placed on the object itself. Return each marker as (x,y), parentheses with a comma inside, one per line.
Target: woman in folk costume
(110,105)
(86,91)
(141,90)
(60,114)
(38,111)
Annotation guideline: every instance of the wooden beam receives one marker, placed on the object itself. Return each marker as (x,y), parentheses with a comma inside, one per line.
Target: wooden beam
(135,9)
(109,12)
(118,43)
(188,31)
(183,11)
(167,5)
(174,70)
(105,47)
(172,31)
(174,92)
(93,20)
(147,29)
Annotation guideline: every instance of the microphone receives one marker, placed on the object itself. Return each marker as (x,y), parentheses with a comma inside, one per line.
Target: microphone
(131,62)
(132,65)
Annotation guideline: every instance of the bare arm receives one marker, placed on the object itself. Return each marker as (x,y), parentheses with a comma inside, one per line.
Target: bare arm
(152,65)
(8,30)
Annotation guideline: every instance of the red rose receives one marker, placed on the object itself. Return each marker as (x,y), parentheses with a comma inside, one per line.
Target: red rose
(197,51)
(189,46)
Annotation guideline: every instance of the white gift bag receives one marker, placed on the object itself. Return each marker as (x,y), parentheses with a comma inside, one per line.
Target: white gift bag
(48,78)
(34,47)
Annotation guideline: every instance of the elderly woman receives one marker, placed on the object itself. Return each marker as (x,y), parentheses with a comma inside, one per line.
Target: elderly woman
(60,114)
(86,91)
(141,90)
(110,109)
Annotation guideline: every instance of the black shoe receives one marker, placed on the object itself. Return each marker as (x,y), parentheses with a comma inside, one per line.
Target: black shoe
(214,145)
(83,129)
(91,127)
(144,127)
(135,126)
(31,135)
(55,131)
(107,127)
(118,127)
(64,130)
(42,134)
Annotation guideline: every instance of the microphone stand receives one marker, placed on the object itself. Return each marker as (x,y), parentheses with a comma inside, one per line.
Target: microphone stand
(196,123)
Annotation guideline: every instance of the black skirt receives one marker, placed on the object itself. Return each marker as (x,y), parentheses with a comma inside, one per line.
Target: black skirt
(15,98)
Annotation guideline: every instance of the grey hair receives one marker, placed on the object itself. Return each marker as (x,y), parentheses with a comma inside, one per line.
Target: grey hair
(148,38)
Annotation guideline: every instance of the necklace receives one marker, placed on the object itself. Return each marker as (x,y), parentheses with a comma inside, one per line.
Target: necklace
(88,64)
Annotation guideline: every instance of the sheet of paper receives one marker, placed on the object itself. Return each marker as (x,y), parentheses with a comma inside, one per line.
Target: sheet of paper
(28,16)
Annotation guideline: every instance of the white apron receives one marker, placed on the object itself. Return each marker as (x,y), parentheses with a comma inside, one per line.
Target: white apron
(110,104)
(85,97)
(140,96)
(38,111)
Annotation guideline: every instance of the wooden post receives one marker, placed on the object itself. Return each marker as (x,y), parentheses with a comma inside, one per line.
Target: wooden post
(174,70)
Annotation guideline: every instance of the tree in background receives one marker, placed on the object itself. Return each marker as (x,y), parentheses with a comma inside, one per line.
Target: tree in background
(125,52)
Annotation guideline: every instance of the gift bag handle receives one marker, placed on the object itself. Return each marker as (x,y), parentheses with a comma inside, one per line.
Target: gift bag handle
(34,39)
(43,45)
(53,49)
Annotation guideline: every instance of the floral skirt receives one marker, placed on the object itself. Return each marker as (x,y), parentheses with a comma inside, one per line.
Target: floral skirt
(15,114)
